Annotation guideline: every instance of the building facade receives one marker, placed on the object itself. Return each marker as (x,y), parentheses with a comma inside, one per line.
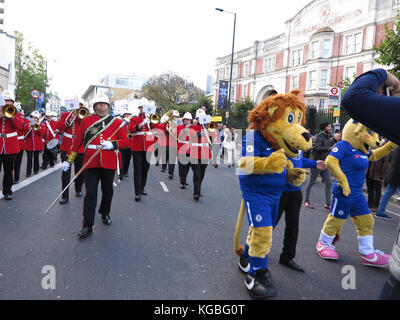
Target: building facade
(2,15)
(54,103)
(7,62)
(324,42)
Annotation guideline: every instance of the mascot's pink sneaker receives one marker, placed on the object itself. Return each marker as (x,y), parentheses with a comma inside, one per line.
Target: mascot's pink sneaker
(375,259)
(326,251)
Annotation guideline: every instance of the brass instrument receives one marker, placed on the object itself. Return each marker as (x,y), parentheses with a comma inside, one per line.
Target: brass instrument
(171,125)
(83,112)
(212,126)
(9,111)
(154,118)
(35,126)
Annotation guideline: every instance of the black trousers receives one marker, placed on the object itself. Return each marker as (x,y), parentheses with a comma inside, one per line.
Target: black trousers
(32,155)
(66,175)
(17,165)
(290,203)
(183,167)
(199,171)
(92,178)
(374,189)
(168,156)
(7,161)
(48,158)
(126,160)
(140,170)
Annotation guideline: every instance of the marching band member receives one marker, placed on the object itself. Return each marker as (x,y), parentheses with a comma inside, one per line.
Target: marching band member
(183,148)
(34,143)
(96,131)
(141,144)
(126,152)
(21,141)
(9,124)
(68,125)
(50,134)
(200,153)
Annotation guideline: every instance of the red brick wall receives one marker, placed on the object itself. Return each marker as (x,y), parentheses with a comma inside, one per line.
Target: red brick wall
(337,45)
(305,53)
(380,32)
(302,85)
(279,61)
(248,89)
(216,97)
(287,89)
(364,40)
(250,67)
(239,92)
(360,68)
(336,74)
(240,70)
(259,66)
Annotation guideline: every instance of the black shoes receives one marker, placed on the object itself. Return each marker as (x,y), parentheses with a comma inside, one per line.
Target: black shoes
(183,186)
(292,265)
(244,264)
(106,220)
(162,170)
(16,181)
(27,175)
(260,286)
(196,197)
(137,197)
(171,176)
(79,194)
(85,232)
(63,201)
(144,193)
(8,197)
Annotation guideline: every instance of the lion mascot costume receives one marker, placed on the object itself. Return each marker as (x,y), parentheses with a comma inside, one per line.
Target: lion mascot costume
(275,134)
(348,163)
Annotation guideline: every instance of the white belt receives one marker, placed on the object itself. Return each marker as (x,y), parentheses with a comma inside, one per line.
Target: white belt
(200,144)
(21,138)
(69,135)
(143,133)
(185,142)
(8,135)
(94,146)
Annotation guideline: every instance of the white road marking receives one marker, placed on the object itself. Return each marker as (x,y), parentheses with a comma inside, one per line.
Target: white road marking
(393,213)
(164,186)
(30,180)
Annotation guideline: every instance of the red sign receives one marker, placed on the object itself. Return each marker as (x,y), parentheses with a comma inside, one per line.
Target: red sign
(35,94)
(334,91)
(340,84)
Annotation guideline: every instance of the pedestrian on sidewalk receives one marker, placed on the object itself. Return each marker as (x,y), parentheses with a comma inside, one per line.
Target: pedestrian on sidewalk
(320,150)
(393,179)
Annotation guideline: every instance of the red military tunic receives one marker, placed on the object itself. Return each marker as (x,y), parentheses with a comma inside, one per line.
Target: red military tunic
(48,136)
(164,138)
(143,139)
(199,146)
(34,140)
(183,133)
(21,135)
(106,159)
(9,135)
(69,132)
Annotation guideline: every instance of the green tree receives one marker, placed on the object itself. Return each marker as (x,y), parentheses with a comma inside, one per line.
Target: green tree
(30,72)
(389,49)
(239,113)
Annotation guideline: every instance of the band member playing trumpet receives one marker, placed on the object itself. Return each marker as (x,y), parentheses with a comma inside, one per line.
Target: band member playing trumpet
(10,122)
(103,132)
(183,148)
(126,152)
(21,141)
(34,143)
(142,145)
(200,153)
(68,125)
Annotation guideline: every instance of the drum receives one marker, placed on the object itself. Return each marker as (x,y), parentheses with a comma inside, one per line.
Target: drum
(52,146)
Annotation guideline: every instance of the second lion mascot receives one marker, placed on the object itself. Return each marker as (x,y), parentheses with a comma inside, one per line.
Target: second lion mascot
(275,134)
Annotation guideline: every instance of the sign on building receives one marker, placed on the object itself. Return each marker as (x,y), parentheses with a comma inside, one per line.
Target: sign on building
(223,94)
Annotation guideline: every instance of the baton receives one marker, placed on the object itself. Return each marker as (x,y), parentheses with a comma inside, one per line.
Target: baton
(84,167)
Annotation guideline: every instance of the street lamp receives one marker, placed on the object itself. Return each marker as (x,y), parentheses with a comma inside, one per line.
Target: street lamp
(233,50)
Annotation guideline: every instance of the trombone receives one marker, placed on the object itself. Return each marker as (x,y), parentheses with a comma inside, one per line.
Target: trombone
(35,126)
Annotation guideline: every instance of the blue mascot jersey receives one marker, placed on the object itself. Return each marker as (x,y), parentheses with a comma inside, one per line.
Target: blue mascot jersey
(354,165)
(260,187)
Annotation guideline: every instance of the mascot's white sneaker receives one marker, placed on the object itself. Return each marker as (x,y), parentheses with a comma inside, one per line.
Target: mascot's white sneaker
(375,259)
(326,251)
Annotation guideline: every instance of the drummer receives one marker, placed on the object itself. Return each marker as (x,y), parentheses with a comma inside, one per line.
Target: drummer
(51,140)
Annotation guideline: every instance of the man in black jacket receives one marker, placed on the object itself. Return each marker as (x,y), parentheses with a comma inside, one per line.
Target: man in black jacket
(320,150)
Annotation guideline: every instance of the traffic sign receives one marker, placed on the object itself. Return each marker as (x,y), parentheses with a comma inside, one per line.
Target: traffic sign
(333,100)
(334,91)
(35,94)
(340,84)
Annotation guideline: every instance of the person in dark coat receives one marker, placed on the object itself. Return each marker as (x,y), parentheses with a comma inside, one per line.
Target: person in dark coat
(393,179)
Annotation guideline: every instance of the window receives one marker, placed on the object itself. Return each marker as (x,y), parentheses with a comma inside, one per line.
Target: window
(244,95)
(233,93)
(269,64)
(353,43)
(349,45)
(246,70)
(369,41)
(326,48)
(322,103)
(227,72)
(297,57)
(235,71)
(367,67)
(312,83)
(324,78)
(357,42)
(309,102)
(350,72)
(315,50)
(295,82)
(396,4)
(221,74)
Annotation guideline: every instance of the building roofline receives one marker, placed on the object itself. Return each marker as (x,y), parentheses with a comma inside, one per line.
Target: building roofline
(8,35)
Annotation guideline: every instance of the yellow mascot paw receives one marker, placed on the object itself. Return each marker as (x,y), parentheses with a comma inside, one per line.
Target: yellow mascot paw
(296,176)
(345,187)
(277,161)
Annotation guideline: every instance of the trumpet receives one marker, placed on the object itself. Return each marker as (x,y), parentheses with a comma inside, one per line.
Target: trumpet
(83,112)
(9,111)
(212,126)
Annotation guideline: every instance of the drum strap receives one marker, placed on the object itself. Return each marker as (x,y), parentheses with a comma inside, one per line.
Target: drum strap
(50,128)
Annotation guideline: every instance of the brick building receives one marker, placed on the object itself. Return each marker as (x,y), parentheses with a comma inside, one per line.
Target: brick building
(324,42)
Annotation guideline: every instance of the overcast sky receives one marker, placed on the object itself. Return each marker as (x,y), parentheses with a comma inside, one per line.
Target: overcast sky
(84,40)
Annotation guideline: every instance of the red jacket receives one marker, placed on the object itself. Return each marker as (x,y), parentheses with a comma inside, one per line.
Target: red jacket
(164,138)
(199,147)
(143,139)
(34,140)
(48,136)
(21,135)
(69,132)
(9,135)
(183,134)
(106,158)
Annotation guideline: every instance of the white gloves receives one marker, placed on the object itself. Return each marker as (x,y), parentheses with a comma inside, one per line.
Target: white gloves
(127,120)
(107,145)
(66,166)
(145,122)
